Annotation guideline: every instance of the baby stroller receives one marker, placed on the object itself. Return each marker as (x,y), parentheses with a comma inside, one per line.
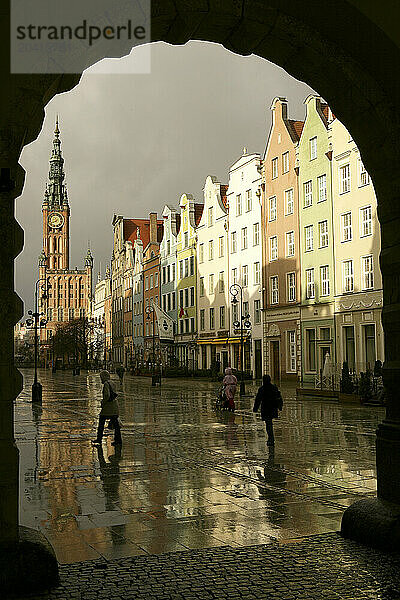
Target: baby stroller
(222,402)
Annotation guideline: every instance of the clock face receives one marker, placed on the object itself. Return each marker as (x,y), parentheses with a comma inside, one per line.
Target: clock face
(56,219)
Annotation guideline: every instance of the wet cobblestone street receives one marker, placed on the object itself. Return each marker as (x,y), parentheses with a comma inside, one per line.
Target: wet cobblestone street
(191,478)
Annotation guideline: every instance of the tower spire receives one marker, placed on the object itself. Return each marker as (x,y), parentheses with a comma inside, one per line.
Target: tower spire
(56,188)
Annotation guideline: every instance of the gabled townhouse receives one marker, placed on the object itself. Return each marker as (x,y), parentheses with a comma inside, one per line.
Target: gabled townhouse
(316,239)
(358,280)
(245,259)
(151,293)
(107,317)
(168,270)
(281,247)
(186,281)
(128,306)
(137,296)
(117,278)
(212,278)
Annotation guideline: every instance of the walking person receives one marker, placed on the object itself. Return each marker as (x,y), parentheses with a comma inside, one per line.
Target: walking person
(120,370)
(109,410)
(230,383)
(270,398)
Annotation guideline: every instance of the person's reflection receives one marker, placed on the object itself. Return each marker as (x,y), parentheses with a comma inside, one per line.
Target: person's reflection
(110,478)
(276,477)
(231,437)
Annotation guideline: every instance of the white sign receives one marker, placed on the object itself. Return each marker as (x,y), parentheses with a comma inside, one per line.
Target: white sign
(165,324)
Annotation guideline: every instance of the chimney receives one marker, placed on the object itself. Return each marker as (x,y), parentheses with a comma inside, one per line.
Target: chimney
(153,227)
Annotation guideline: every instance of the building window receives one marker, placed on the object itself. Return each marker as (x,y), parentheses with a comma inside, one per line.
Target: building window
(212,320)
(173,300)
(311,363)
(274,168)
(273,248)
(211,250)
(289,243)
(245,275)
(201,253)
(369,345)
(274,289)
(234,275)
(256,234)
(186,239)
(156,280)
(202,319)
(289,202)
(235,313)
(191,265)
(257,277)
(248,200)
(347,233)
(272,209)
(164,275)
(257,311)
(367,268)
(222,317)
(322,196)
(307,187)
(192,296)
(246,310)
(309,238)
(365,221)
(168,247)
(323,234)
(244,238)
(291,351)
(344,179)
(221,246)
(210,217)
(186,263)
(348,276)
(146,283)
(324,277)
(201,291)
(211,283)
(291,287)
(238,204)
(233,242)
(221,283)
(349,346)
(285,162)
(313,148)
(180,270)
(310,284)
(363,177)
(192,327)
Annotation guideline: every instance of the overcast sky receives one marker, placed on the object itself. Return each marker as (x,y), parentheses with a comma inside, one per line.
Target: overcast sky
(132,143)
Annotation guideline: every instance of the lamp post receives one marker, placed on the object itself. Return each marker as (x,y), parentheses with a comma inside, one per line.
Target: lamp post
(244,322)
(150,311)
(37,322)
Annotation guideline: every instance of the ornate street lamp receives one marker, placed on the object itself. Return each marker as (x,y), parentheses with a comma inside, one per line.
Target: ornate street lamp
(244,324)
(154,378)
(36,322)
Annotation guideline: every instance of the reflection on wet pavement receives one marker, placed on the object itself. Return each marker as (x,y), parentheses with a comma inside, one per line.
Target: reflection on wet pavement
(187,477)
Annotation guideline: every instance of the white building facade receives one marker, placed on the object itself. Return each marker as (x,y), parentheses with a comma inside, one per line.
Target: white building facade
(245,260)
(212,279)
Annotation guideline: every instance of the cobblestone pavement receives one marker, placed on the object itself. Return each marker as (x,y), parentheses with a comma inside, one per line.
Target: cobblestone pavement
(188,477)
(322,567)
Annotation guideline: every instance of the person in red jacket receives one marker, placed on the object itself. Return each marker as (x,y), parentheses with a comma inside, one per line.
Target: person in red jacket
(270,399)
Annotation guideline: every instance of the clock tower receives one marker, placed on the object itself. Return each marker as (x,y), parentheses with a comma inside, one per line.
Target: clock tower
(55,209)
(70,290)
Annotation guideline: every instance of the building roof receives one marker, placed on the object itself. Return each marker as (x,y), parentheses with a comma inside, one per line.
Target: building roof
(223,190)
(297,127)
(131,226)
(198,211)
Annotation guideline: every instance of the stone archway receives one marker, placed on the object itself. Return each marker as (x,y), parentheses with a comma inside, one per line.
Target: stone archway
(349,55)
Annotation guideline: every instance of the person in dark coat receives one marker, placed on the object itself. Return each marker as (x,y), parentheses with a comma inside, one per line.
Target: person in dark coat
(270,399)
(120,370)
(109,410)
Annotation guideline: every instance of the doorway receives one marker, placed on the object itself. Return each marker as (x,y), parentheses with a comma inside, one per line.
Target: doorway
(257,359)
(275,363)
